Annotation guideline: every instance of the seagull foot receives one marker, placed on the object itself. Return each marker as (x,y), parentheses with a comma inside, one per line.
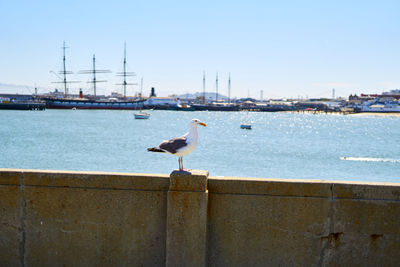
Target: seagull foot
(185,170)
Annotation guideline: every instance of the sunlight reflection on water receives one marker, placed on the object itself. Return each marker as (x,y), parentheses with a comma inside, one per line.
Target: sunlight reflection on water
(280,145)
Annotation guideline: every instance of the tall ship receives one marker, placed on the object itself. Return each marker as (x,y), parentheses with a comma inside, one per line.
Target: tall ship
(67,101)
(218,105)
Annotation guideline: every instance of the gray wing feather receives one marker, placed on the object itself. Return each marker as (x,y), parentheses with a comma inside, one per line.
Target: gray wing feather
(173,145)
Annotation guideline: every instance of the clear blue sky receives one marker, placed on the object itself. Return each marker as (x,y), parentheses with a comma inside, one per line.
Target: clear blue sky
(285,48)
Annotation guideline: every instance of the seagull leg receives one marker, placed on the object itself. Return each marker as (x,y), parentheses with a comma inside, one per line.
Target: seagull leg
(180,161)
(183,169)
(180,164)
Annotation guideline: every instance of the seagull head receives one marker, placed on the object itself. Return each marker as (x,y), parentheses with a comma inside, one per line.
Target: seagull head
(197,122)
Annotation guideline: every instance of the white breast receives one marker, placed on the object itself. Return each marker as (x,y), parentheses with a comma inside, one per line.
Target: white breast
(187,149)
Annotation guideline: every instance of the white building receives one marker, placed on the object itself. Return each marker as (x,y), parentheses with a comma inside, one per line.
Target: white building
(161,101)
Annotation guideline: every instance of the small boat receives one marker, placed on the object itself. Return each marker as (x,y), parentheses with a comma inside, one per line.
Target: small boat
(246,126)
(142,115)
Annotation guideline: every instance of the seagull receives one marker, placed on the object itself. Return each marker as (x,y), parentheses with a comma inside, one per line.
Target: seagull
(180,146)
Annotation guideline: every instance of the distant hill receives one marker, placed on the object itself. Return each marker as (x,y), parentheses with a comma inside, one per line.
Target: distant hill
(208,95)
(16,89)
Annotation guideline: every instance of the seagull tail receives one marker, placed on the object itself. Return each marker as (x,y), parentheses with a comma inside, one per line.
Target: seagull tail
(155,149)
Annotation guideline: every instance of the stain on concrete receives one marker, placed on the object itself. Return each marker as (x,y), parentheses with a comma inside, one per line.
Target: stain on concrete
(333,240)
(374,239)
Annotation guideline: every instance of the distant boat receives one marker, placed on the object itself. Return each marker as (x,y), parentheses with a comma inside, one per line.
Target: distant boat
(142,115)
(246,126)
(182,106)
(246,123)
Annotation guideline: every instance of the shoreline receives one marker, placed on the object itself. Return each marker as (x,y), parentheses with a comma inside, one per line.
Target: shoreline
(384,114)
(380,114)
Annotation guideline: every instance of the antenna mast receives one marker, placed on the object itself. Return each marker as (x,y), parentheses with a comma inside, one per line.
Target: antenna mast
(125,74)
(216,87)
(141,87)
(94,71)
(229,88)
(204,88)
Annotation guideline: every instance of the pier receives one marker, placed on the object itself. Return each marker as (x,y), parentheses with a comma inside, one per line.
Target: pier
(81,218)
(23,105)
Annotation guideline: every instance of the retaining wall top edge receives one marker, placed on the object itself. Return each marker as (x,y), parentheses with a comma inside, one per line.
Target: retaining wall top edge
(305,188)
(225,185)
(272,186)
(335,182)
(83,172)
(302,181)
(83,179)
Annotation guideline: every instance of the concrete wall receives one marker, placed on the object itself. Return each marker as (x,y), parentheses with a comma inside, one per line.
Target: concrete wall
(56,218)
(51,218)
(258,222)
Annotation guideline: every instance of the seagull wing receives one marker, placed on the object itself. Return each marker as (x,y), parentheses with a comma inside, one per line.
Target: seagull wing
(174,145)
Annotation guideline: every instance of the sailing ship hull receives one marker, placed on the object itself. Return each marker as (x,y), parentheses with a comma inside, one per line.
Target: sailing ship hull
(90,104)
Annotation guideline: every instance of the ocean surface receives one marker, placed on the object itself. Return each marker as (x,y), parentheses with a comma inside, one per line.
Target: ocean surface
(280,145)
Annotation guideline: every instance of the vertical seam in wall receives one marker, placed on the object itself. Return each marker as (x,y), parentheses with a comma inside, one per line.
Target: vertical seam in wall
(23,222)
(166,229)
(166,226)
(331,227)
(332,210)
(207,226)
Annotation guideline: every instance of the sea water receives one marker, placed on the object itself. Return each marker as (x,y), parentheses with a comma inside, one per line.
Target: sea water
(279,145)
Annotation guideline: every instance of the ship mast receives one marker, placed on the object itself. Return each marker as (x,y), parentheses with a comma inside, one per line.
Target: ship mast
(125,74)
(94,76)
(94,71)
(64,73)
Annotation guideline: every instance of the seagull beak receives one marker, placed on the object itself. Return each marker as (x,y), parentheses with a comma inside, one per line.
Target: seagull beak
(203,124)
